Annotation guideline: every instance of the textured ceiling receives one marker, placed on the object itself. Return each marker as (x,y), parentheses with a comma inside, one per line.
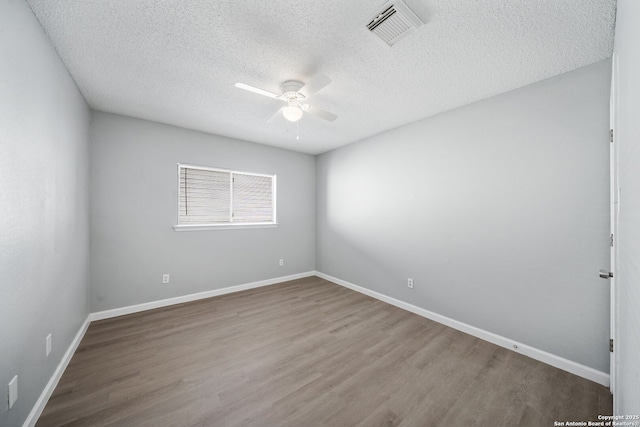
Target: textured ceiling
(176,62)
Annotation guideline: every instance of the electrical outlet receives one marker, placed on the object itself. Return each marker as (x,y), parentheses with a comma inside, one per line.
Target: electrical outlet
(165,278)
(410,283)
(281,262)
(13,391)
(47,342)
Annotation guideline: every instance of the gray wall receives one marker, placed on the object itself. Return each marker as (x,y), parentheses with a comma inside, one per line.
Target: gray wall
(628,274)
(44,208)
(497,210)
(133,210)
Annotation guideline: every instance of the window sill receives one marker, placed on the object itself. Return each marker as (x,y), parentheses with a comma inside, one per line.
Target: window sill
(207,227)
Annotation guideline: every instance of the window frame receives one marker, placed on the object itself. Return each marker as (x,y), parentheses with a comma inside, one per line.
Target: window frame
(226,225)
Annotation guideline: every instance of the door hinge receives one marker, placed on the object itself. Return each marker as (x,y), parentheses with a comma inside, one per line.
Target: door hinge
(611,135)
(611,345)
(611,240)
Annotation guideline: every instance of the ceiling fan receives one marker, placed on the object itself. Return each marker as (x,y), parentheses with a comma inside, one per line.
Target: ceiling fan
(293,94)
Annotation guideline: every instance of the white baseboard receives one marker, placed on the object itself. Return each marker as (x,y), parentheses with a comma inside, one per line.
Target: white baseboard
(537,354)
(107,314)
(37,409)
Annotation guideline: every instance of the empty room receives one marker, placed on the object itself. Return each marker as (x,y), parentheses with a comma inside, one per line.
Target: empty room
(335,213)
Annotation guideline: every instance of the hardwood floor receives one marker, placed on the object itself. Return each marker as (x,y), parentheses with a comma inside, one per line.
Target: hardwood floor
(306,353)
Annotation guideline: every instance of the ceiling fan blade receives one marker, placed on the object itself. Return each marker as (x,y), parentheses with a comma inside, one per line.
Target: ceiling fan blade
(275,116)
(319,112)
(315,84)
(256,90)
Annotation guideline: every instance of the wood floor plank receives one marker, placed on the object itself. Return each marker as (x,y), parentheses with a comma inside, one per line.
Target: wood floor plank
(306,353)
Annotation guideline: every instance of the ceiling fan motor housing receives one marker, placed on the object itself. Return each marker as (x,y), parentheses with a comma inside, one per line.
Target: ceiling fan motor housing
(290,90)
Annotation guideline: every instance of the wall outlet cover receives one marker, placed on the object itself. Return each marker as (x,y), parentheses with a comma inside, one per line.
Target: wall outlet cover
(13,391)
(48,345)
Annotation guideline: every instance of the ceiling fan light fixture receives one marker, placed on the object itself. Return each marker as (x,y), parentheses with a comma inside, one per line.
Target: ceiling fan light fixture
(293,113)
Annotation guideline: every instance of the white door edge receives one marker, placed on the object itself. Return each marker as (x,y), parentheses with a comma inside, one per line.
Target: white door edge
(614,210)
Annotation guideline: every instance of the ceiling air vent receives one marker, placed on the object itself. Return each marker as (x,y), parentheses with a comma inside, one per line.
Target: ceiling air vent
(394,22)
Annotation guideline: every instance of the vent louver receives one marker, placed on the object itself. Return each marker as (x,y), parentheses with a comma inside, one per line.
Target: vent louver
(394,22)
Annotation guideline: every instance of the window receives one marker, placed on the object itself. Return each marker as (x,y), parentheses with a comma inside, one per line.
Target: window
(211,198)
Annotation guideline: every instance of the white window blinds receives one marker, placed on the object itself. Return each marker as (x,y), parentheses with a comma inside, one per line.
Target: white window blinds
(217,197)
(252,196)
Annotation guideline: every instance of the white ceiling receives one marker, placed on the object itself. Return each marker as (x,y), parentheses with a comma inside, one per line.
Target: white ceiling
(176,61)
